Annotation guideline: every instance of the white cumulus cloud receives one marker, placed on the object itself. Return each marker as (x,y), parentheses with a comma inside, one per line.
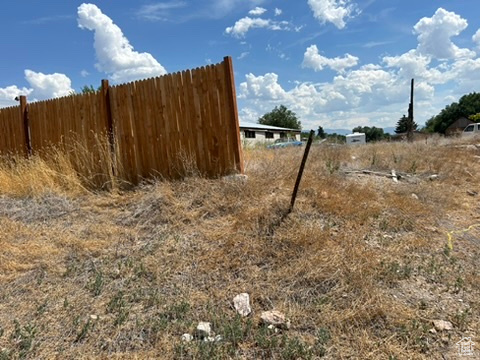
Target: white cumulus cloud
(312,59)
(46,86)
(333,11)
(41,87)
(257,11)
(412,64)
(266,87)
(369,90)
(115,55)
(435,33)
(243,25)
(443,72)
(8,94)
(476,38)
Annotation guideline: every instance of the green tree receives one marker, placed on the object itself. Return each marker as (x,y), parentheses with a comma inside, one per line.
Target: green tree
(89,89)
(371,133)
(403,125)
(466,106)
(321,133)
(281,117)
(475,117)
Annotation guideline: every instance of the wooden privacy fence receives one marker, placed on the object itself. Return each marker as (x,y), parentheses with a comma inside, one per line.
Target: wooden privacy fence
(154,126)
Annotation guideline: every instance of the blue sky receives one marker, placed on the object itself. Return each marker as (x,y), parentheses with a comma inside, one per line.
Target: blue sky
(336,63)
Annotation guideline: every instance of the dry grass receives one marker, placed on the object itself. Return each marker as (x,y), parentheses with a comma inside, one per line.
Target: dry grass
(361,266)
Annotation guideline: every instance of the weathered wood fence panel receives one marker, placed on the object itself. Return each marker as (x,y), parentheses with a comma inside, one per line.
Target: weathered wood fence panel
(165,126)
(67,122)
(12,135)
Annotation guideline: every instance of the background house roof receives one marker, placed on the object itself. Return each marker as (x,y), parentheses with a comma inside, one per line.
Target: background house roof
(462,122)
(251,125)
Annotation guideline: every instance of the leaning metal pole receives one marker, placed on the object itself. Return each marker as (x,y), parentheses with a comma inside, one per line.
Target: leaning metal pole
(300,171)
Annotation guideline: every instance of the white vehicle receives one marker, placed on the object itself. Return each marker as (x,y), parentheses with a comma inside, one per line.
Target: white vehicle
(472,129)
(355,139)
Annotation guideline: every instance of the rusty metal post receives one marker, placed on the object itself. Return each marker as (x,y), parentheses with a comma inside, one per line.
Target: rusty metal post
(300,171)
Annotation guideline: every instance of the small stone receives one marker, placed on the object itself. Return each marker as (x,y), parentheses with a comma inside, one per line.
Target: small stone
(415,196)
(442,325)
(187,337)
(241,302)
(432,331)
(209,339)
(218,338)
(275,318)
(204,329)
(433,177)
(94,317)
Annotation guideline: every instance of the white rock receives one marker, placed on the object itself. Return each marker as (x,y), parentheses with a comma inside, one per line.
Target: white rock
(433,177)
(209,339)
(204,329)
(275,318)
(218,338)
(94,317)
(442,325)
(241,302)
(415,196)
(187,337)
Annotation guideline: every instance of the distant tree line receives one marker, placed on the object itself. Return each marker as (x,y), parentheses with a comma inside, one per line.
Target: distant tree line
(468,106)
(372,133)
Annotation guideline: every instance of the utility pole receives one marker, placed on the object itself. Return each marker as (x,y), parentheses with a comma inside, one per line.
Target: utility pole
(410,114)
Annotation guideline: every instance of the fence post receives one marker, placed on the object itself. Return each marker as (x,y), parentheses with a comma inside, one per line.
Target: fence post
(232,99)
(300,171)
(105,89)
(26,125)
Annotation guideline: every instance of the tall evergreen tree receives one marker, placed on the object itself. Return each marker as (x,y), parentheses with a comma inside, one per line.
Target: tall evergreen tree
(403,125)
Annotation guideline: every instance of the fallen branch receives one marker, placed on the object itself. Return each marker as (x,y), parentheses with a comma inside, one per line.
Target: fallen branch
(376,173)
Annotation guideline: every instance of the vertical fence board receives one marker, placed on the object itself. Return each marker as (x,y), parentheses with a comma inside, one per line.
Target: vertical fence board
(158,155)
(233,122)
(224,119)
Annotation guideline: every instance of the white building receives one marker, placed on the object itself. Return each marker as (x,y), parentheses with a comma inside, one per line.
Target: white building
(355,138)
(252,133)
